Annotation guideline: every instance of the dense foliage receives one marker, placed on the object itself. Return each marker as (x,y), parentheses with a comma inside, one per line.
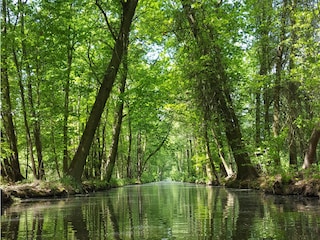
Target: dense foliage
(202,90)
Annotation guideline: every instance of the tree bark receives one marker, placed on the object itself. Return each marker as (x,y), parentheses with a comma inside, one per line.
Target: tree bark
(311,153)
(79,159)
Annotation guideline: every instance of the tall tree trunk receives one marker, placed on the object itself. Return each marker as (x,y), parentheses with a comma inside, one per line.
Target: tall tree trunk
(37,135)
(12,164)
(54,151)
(66,104)
(292,94)
(24,111)
(311,153)
(79,159)
(38,171)
(266,112)
(221,96)
(264,20)
(292,113)
(139,157)
(129,172)
(208,150)
(234,137)
(264,66)
(277,87)
(118,116)
(258,118)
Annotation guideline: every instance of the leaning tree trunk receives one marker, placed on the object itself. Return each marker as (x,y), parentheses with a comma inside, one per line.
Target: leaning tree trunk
(218,89)
(311,153)
(79,159)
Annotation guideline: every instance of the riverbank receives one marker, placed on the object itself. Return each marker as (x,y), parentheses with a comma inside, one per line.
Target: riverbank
(277,185)
(11,193)
(280,185)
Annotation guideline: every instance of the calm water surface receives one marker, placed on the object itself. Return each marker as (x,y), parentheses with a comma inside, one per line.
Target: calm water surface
(165,210)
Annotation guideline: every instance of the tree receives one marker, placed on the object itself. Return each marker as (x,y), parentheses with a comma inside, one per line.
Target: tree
(118,115)
(310,155)
(215,83)
(79,159)
(10,168)
(263,18)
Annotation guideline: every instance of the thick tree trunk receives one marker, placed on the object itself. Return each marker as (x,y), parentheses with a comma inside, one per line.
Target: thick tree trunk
(11,164)
(79,159)
(311,153)
(234,137)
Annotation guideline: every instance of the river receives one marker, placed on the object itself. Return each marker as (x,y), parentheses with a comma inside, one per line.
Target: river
(165,210)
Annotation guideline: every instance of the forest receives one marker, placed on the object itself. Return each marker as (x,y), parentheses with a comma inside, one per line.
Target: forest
(132,91)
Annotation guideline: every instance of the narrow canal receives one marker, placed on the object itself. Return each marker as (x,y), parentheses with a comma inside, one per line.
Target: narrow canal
(165,210)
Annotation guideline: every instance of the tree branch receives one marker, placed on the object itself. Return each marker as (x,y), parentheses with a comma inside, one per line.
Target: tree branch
(156,150)
(106,19)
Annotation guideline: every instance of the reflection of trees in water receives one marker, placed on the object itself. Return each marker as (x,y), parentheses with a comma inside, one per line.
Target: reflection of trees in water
(248,208)
(10,228)
(301,215)
(37,226)
(114,220)
(129,201)
(180,211)
(75,217)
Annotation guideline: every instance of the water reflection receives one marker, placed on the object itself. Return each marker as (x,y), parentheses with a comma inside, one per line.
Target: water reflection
(165,211)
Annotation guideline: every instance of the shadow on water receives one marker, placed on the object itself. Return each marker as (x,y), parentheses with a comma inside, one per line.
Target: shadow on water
(165,211)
